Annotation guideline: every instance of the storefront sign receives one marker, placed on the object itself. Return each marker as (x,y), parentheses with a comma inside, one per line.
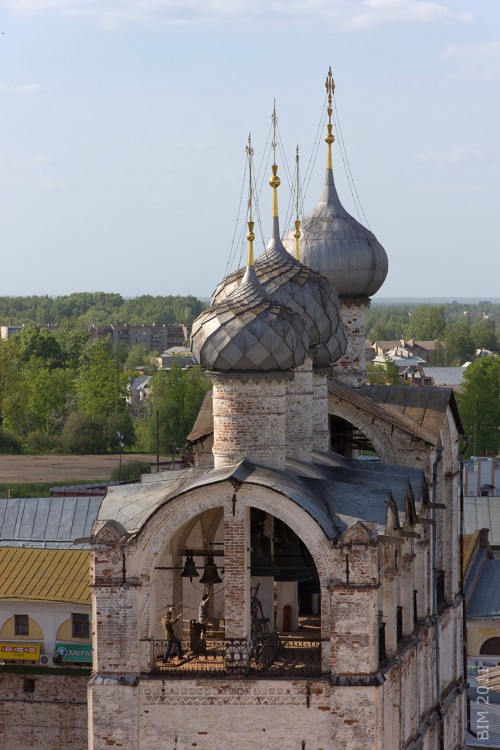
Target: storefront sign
(75,652)
(16,651)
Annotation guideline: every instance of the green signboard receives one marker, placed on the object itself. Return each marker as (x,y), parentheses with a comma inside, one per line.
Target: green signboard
(75,652)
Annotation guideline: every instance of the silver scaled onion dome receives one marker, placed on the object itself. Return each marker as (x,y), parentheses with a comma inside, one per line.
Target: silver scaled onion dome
(294,285)
(248,330)
(334,243)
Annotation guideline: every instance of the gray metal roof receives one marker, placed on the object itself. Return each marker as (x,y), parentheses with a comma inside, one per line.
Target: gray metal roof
(338,246)
(335,496)
(303,290)
(248,331)
(46,521)
(483,513)
(485,600)
(444,375)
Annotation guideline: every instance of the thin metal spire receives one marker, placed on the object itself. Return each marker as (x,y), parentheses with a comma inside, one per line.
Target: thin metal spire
(329,138)
(297,233)
(250,235)
(275,181)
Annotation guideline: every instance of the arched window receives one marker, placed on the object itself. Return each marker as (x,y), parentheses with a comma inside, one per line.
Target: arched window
(491,647)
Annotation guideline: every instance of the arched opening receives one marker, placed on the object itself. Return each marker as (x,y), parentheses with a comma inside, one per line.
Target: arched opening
(192,592)
(348,440)
(491,647)
(284,580)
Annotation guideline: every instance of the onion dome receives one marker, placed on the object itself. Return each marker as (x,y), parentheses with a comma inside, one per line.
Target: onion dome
(334,243)
(248,331)
(290,283)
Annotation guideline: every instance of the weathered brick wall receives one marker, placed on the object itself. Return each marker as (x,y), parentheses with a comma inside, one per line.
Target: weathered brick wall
(115,603)
(243,714)
(52,717)
(321,428)
(357,718)
(350,368)
(113,710)
(250,418)
(299,413)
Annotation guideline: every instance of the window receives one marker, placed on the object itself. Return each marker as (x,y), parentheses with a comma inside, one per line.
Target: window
(491,647)
(81,625)
(28,685)
(399,624)
(21,625)
(440,586)
(381,638)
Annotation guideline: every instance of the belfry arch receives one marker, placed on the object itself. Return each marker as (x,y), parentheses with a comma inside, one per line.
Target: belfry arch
(171,537)
(352,429)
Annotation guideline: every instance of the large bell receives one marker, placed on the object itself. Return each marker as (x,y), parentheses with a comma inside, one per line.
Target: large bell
(210,574)
(288,556)
(189,567)
(262,563)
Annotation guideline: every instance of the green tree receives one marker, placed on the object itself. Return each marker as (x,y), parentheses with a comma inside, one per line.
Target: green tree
(72,338)
(138,355)
(83,434)
(100,383)
(427,323)
(41,344)
(386,374)
(130,471)
(119,430)
(177,395)
(458,342)
(13,386)
(50,394)
(479,405)
(484,336)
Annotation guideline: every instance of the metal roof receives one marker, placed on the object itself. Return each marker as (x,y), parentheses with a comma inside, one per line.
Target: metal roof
(485,601)
(46,521)
(204,424)
(424,406)
(419,411)
(336,496)
(45,575)
(483,513)
(444,375)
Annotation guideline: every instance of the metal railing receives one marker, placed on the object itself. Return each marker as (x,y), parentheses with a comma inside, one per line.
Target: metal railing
(269,656)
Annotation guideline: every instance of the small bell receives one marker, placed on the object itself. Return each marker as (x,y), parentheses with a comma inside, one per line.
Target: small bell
(189,568)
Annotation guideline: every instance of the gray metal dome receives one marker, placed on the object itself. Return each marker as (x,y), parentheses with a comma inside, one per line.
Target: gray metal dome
(248,331)
(338,246)
(290,283)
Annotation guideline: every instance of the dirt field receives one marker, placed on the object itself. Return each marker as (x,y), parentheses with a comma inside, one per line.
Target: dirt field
(18,469)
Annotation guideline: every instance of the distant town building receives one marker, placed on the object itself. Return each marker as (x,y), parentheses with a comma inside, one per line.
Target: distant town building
(157,336)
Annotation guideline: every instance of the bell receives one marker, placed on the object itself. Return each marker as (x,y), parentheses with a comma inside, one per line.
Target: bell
(261,561)
(288,556)
(189,568)
(311,586)
(210,574)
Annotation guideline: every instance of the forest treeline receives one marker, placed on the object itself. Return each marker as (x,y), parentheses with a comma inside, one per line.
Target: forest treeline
(99,308)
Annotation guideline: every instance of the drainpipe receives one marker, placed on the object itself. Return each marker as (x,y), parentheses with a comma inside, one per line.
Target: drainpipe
(435,617)
(462,579)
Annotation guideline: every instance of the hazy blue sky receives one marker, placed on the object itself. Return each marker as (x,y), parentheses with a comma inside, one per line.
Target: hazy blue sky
(123,126)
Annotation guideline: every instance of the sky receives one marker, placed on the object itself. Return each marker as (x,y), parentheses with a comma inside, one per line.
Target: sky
(123,127)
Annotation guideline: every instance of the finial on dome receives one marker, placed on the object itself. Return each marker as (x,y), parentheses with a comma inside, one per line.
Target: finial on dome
(297,234)
(275,181)
(251,224)
(329,138)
